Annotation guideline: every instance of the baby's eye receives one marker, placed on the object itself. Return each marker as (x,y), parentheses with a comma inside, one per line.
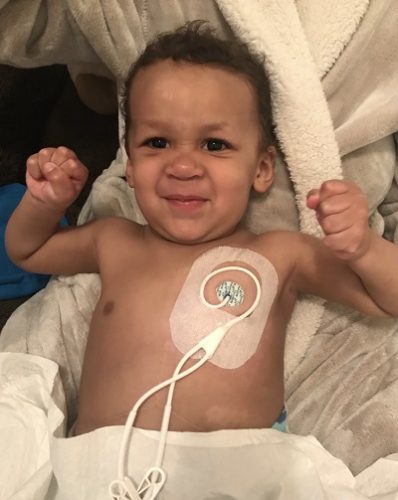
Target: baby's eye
(215,145)
(157,143)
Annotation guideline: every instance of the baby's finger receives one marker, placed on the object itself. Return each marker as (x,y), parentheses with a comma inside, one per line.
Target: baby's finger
(62,154)
(313,198)
(336,204)
(333,187)
(33,167)
(60,187)
(336,223)
(44,155)
(76,170)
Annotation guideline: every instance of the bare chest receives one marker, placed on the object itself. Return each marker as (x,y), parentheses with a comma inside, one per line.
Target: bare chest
(162,303)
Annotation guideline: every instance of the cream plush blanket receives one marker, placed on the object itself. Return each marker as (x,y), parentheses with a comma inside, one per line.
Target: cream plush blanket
(333,69)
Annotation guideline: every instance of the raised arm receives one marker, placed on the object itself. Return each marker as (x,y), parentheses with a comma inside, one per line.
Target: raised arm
(352,264)
(34,240)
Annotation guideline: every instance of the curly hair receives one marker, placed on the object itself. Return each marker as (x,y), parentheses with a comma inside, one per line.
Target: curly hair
(196,43)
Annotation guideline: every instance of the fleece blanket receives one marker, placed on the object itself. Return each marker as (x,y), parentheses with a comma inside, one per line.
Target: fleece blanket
(333,71)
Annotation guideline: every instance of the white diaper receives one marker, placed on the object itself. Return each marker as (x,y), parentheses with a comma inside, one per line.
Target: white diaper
(230,464)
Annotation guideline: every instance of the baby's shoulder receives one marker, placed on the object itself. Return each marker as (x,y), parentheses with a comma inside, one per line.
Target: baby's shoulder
(116,232)
(117,226)
(282,248)
(117,241)
(278,240)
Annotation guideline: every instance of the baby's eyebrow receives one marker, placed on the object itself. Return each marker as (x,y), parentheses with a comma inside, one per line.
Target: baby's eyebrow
(215,126)
(156,122)
(205,128)
(149,123)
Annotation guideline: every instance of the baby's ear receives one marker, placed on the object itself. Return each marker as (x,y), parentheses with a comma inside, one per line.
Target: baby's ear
(265,170)
(129,173)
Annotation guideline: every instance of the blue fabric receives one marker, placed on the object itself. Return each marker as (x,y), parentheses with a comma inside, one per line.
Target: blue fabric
(281,423)
(14,282)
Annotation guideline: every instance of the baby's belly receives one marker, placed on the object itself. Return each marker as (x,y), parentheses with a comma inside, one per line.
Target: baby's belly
(209,399)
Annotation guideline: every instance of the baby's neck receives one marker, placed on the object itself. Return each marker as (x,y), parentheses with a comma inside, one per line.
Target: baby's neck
(238,237)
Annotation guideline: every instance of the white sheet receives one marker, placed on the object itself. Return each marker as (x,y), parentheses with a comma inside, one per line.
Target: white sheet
(244,465)
(31,404)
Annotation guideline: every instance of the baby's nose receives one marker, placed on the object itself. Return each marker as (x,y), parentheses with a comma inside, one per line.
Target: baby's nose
(184,166)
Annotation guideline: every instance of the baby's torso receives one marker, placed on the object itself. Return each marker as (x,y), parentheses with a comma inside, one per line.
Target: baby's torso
(151,313)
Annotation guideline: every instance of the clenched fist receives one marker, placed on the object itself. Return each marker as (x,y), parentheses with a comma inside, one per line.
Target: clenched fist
(55,176)
(342,211)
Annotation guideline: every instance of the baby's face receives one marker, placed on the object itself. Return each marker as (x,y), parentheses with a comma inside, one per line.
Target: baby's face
(194,149)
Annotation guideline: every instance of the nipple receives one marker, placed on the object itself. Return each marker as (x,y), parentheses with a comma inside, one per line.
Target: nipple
(232,290)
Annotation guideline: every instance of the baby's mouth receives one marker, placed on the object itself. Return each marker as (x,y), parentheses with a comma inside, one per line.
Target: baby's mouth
(186,201)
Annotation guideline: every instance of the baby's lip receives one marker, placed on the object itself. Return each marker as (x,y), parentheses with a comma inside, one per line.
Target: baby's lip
(185,197)
(185,203)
